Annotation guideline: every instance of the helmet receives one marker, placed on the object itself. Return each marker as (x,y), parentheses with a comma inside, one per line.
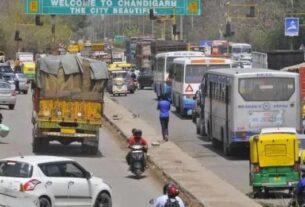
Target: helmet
(138,133)
(172,191)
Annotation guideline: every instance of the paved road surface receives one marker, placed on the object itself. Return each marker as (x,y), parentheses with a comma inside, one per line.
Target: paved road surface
(110,164)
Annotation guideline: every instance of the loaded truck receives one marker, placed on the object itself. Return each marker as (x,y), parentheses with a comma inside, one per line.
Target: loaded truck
(68,101)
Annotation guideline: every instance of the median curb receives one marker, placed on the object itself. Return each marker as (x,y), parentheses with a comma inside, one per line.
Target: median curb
(202,186)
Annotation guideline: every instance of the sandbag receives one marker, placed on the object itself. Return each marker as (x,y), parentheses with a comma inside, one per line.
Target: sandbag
(4,130)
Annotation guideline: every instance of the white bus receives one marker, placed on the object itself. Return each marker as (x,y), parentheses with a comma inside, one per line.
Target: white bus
(162,65)
(188,75)
(238,103)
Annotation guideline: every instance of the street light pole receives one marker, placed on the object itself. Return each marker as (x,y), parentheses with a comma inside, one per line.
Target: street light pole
(53,34)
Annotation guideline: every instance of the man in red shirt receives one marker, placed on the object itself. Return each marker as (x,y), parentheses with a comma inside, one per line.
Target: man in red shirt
(136,138)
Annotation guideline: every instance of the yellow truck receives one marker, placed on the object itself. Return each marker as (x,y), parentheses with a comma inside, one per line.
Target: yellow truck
(68,101)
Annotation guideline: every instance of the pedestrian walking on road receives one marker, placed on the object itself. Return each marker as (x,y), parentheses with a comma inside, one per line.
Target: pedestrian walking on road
(164,108)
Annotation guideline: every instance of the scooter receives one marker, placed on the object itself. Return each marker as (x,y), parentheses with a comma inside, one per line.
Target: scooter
(137,160)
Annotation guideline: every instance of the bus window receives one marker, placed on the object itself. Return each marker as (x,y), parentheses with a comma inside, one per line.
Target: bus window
(266,89)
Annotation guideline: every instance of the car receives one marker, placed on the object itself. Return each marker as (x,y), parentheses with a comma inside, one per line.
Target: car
(145,79)
(7,95)
(9,78)
(24,82)
(5,68)
(56,181)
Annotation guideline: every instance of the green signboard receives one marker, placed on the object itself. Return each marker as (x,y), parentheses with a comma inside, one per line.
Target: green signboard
(112,7)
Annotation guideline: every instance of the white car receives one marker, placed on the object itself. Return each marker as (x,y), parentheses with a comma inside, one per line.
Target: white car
(57,181)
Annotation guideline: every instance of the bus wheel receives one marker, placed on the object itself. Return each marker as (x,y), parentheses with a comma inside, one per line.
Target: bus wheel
(227,151)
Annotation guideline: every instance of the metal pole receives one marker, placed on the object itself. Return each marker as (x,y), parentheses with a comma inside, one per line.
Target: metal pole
(53,34)
(181,27)
(292,11)
(143,26)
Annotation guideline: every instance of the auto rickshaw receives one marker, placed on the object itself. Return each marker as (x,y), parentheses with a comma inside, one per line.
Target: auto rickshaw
(274,161)
(117,83)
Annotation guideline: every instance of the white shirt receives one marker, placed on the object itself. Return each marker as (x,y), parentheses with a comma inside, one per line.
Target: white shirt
(161,200)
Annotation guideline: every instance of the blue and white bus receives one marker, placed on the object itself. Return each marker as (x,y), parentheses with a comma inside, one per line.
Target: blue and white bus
(188,75)
(163,65)
(238,103)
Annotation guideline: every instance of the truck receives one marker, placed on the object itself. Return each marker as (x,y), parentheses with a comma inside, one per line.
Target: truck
(143,55)
(68,101)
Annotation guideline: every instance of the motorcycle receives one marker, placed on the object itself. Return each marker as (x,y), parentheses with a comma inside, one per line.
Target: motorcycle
(137,160)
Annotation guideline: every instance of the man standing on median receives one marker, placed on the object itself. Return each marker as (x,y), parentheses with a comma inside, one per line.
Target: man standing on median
(164,108)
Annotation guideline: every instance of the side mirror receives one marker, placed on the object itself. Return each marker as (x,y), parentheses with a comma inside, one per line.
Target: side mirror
(88,175)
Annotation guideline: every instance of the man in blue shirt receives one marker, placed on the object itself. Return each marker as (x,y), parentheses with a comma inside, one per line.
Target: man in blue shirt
(300,188)
(164,108)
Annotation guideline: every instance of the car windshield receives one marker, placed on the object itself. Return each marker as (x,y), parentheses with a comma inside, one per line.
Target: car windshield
(15,169)
(4,85)
(5,69)
(8,77)
(20,75)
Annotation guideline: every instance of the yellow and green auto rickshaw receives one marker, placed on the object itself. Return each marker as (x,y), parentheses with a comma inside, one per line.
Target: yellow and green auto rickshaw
(274,161)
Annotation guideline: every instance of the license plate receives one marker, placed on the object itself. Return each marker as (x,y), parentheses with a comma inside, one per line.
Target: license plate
(67,131)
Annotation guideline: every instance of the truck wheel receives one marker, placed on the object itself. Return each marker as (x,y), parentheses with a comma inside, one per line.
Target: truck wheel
(25,92)
(11,106)
(227,151)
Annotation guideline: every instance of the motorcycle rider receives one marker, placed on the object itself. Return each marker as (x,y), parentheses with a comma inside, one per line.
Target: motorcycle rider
(136,139)
(170,197)
(300,188)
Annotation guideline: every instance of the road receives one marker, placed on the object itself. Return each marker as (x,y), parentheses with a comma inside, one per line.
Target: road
(109,164)
(182,131)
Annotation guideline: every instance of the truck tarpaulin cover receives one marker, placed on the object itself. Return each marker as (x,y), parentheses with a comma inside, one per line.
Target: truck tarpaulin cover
(71,76)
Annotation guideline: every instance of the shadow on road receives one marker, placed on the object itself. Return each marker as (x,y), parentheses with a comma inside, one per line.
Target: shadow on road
(73,150)
(135,177)
(240,153)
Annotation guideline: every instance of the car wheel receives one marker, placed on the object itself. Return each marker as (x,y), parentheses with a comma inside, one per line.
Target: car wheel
(103,200)
(25,92)
(11,106)
(141,87)
(44,202)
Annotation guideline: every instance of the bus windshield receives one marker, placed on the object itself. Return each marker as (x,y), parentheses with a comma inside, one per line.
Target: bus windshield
(194,73)
(169,63)
(266,89)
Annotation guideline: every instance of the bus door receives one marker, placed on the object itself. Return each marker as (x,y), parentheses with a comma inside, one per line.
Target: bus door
(227,99)
(210,131)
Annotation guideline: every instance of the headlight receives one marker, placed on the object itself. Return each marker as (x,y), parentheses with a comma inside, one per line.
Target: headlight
(79,114)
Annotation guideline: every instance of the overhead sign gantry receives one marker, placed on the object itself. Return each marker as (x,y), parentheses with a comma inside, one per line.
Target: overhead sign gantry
(112,7)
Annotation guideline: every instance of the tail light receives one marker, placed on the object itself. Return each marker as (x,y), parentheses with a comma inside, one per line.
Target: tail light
(296,166)
(30,185)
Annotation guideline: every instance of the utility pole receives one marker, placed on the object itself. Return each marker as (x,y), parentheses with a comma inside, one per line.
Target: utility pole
(292,11)
(53,34)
